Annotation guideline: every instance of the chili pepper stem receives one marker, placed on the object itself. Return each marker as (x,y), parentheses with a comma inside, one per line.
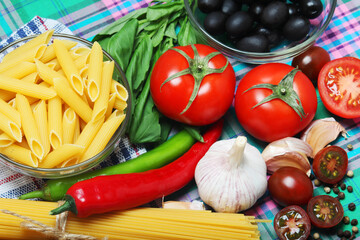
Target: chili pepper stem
(69,205)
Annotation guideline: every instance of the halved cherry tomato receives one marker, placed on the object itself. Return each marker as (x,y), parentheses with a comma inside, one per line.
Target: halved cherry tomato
(339,87)
(292,223)
(330,164)
(325,211)
(290,186)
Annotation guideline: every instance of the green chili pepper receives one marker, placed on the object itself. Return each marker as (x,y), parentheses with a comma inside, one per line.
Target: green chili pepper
(163,154)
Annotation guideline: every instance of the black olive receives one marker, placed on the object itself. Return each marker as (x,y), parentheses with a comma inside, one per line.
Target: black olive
(256,9)
(275,14)
(214,23)
(293,9)
(253,43)
(296,28)
(273,36)
(229,7)
(311,8)
(208,6)
(239,23)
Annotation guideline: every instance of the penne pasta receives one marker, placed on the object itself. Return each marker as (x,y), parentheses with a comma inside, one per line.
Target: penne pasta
(41,39)
(6,95)
(20,70)
(77,52)
(49,53)
(55,122)
(69,96)
(26,88)
(61,154)
(47,74)
(5,140)
(89,132)
(104,135)
(101,104)
(32,78)
(69,123)
(41,119)
(119,90)
(10,128)
(68,66)
(10,112)
(95,69)
(110,107)
(29,126)
(29,56)
(120,104)
(77,129)
(20,154)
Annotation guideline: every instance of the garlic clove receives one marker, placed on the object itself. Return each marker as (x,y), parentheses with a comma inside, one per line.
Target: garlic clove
(321,132)
(288,151)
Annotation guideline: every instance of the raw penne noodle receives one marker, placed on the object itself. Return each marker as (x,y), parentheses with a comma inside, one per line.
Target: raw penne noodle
(119,90)
(32,78)
(31,131)
(41,119)
(69,123)
(68,66)
(72,99)
(95,70)
(120,104)
(104,135)
(49,53)
(68,163)
(5,140)
(89,132)
(84,74)
(20,70)
(41,39)
(82,61)
(21,155)
(47,74)
(79,51)
(110,107)
(54,65)
(29,56)
(61,154)
(101,104)
(10,112)
(23,144)
(25,88)
(55,122)
(10,128)
(76,130)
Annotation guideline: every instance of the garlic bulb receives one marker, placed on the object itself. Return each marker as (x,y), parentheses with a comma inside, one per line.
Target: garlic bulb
(321,132)
(288,152)
(231,176)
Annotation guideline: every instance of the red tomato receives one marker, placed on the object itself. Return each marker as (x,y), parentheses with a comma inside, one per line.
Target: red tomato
(325,211)
(330,164)
(215,91)
(292,223)
(274,119)
(311,61)
(290,186)
(339,87)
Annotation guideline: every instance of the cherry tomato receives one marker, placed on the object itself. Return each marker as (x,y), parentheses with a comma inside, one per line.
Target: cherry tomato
(292,223)
(311,61)
(325,211)
(275,119)
(290,186)
(191,97)
(338,85)
(330,164)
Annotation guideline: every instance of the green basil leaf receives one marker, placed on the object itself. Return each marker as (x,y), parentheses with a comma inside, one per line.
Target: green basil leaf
(157,38)
(121,44)
(170,31)
(158,11)
(186,34)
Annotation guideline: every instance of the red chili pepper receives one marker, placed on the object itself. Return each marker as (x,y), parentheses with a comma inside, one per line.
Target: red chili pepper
(123,191)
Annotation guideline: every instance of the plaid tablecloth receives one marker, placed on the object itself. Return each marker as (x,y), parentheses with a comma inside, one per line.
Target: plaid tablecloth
(85,18)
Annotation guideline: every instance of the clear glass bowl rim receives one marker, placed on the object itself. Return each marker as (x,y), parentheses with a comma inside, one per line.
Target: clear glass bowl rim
(91,162)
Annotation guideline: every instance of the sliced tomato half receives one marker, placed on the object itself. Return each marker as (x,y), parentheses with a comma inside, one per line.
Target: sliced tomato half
(339,87)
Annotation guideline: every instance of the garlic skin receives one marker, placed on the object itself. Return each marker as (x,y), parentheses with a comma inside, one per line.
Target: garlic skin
(288,152)
(231,176)
(321,132)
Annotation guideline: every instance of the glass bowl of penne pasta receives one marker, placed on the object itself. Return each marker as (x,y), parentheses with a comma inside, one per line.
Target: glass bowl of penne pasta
(64,105)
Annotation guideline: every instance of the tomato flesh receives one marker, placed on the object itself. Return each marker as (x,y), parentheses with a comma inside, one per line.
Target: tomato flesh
(325,211)
(292,223)
(339,87)
(330,164)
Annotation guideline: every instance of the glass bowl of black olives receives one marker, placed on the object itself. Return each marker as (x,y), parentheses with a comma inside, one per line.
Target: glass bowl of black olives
(260,31)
